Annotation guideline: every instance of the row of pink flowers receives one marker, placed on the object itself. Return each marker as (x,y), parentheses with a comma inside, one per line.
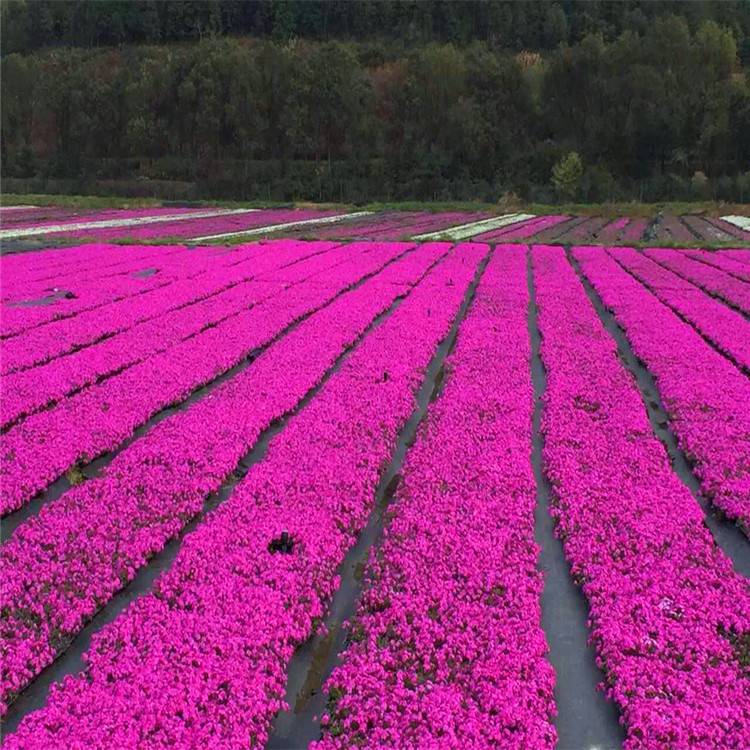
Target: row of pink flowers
(200,273)
(187,228)
(610,233)
(716,282)
(78,429)
(50,218)
(432,222)
(388,225)
(394,225)
(438,221)
(68,561)
(48,267)
(707,397)
(669,617)
(674,231)
(740,254)
(586,231)
(83,294)
(447,648)
(59,269)
(518,228)
(216,296)
(707,229)
(201,661)
(523,230)
(633,232)
(554,231)
(728,228)
(723,327)
(60,264)
(14,215)
(722,260)
(19,317)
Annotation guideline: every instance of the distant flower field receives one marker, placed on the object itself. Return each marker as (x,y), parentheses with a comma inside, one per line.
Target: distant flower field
(221,224)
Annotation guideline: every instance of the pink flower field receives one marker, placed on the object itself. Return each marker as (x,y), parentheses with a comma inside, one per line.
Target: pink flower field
(159,223)
(367,491)
(58,225)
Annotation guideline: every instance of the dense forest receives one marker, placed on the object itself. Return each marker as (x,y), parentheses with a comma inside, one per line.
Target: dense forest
(358,101)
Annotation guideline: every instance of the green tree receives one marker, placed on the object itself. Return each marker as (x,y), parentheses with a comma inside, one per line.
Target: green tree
(567,174)
(332,93)
(555,26)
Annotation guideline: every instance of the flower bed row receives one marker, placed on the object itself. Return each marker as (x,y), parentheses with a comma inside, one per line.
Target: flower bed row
(14,215)
(58,215)
(41,448)
(98,292)
(474,228)
(633,232)
(727,228)
(498,234)
(545,223)
(554,231)
(90,225)
(61,337)
(391,224)
(439,221)
(721,325)
(52,267)
(670,229)
(420,225)
(594,229)
(610,233)
(447,648)
(67,562)
(426,222)
(60,303)
(723,261)
(57,269)
(586,231)
(740,222)
(669,616)
(707,397)
(717,283)
(432,222)
(707,230)
(54,338)
(521,230)
(283,229)
(29,390)
(740,254)
(201,661)
(207,226)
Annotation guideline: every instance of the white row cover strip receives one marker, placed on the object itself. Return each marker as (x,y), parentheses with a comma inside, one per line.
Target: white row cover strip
(743,222)
(463,231)
(133,222)
(3,209)
(287,225)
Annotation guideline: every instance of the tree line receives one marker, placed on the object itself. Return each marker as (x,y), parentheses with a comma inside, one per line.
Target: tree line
(512,24)
(659,110)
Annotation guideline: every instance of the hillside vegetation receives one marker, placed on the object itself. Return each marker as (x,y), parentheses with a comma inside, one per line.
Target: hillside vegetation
(461,101)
